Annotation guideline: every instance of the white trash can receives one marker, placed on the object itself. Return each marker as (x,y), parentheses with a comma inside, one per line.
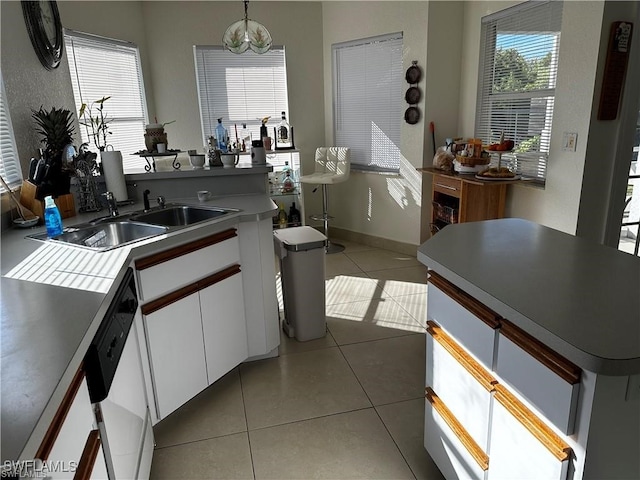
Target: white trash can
(302,252)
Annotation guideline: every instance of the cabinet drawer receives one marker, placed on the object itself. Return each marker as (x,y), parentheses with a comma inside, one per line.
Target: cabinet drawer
(522,446)
(170,269)
(462,384)
(447,185)
(449,444)
(549,381)
(469,322)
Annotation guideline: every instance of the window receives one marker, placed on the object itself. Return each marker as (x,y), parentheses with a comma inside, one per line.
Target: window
(367,99)
(518,66)
(102,67)
(240,89)
(9,161)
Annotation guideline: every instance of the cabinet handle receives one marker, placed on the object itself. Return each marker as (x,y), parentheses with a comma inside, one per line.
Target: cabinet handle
(168,299)
(463,358)
(218,277)
(61,415)
(533,424)
(187,290)
(555,362)
(488,316)
(469,443)
(89,455)
(171,253)
(448,187)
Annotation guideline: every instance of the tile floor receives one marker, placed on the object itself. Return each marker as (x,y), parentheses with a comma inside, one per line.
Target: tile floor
(349,405)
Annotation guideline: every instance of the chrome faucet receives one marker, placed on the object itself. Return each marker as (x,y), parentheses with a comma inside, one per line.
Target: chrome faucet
(112,203)
(145,198)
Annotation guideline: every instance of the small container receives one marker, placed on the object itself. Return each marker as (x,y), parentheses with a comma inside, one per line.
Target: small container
(52,218)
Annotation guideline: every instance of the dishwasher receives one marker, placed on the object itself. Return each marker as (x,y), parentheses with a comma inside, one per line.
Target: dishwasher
(117,391)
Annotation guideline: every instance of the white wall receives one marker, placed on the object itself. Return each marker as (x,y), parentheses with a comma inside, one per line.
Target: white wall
(557,205)
(390,206)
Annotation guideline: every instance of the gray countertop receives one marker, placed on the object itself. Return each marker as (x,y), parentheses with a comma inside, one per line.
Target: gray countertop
(580,298)
(53,298)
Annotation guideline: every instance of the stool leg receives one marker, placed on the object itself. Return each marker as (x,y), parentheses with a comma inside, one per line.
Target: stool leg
(331,247)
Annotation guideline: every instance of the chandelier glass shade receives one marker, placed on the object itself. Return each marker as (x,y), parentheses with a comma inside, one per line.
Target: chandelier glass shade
(247,34)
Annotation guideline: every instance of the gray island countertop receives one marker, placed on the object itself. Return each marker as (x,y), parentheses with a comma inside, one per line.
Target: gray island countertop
(53,301)
(580,298)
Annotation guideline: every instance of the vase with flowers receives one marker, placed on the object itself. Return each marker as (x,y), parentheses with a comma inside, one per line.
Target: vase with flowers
(97,125)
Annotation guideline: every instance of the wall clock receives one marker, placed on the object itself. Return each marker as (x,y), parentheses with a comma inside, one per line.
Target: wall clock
(45,30)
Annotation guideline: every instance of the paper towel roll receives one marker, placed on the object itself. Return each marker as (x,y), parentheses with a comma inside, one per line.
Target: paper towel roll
(114,174)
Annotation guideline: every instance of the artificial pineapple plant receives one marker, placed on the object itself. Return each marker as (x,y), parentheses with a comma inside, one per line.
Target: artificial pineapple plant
(56,129)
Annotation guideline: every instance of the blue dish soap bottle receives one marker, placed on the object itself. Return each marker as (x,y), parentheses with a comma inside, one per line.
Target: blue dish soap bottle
(52,218)
(222,137)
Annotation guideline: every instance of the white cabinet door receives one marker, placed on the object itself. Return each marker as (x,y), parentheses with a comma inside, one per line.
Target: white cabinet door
(449,444)
(177,353)
(477,335)
(223,323)
(521,446)
(460,383)
(66,452)
(170,269)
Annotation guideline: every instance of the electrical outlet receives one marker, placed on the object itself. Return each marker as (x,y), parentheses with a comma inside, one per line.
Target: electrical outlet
(633,388)
(569,141)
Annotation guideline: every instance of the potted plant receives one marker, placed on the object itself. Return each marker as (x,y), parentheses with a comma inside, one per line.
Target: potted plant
(98,123)
(56,128)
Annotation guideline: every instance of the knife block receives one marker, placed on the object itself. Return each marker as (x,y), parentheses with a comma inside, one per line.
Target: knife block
(29,198)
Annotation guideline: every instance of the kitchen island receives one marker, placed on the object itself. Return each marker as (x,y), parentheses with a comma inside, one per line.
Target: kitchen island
(54,298)
(540,334)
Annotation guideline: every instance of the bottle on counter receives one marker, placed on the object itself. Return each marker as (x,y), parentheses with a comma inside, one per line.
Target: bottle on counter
(287,184)
(245,138)
(222,137)
(283,134)
(294,216)
(52,218)
(282,217)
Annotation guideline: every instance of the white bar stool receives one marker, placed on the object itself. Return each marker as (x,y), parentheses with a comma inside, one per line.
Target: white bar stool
(332,165)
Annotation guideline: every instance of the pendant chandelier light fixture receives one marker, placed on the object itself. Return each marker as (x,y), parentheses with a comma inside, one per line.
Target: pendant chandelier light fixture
(247,34)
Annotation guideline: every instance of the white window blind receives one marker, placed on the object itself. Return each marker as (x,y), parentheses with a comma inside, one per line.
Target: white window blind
(240,89)
(103,67)
(9,161)
(368,101)
(518,67)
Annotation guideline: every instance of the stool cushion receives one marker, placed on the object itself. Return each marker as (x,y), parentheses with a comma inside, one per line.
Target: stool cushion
(332,165)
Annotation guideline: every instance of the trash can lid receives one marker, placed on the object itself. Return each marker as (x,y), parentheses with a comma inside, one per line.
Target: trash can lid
(300,238)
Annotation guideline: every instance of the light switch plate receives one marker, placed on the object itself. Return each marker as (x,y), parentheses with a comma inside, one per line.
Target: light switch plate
(569,141)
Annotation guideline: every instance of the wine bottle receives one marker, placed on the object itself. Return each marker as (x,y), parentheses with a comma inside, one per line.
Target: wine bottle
(294,215)
(282,217)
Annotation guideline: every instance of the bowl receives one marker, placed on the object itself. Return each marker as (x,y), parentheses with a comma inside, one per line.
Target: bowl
(197,161)
(26,223)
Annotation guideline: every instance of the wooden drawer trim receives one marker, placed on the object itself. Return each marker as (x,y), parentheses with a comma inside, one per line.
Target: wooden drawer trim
(187,290)
(60,416)
(218,277)
(462,357)
(488,316)
(555,362)
(171,253)
(168,299)
(89,455)
(533,424)
(469,443)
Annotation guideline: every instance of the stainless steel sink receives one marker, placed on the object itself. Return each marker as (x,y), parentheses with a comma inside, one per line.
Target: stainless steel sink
(180,215)
(107,236)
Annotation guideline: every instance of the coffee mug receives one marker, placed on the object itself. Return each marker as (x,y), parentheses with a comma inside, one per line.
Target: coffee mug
(229,160)
(204,195)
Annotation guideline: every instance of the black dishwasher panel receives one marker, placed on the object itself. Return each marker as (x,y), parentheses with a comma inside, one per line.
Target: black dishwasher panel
(103,355)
